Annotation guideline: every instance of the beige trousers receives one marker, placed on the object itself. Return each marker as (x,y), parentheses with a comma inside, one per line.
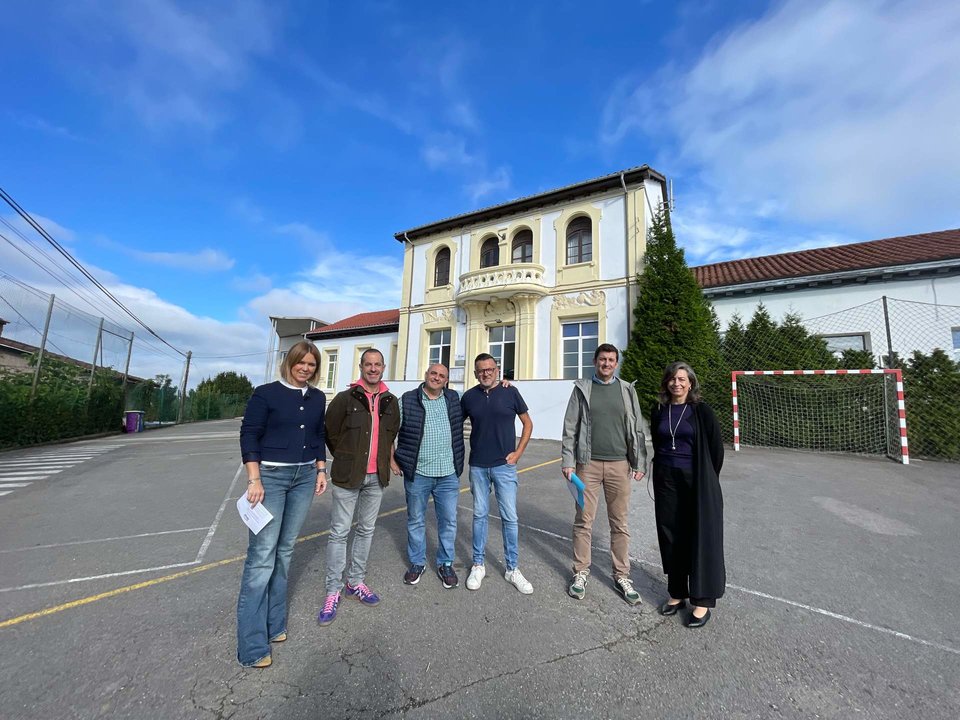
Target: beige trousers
(614,478)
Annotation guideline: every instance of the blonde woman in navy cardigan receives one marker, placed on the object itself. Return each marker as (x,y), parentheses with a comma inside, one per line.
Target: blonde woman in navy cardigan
(282,445)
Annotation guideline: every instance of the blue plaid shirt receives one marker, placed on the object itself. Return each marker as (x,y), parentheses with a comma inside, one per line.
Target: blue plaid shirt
(436,452)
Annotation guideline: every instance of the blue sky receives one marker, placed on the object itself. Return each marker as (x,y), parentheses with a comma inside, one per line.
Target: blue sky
(217,162)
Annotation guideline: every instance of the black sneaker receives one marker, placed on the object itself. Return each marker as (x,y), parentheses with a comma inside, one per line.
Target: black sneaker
(412,576)
(447,576)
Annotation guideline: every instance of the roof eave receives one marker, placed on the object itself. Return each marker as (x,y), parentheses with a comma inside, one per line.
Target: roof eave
(588,187)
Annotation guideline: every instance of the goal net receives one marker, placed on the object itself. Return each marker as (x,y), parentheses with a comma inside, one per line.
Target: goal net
(852,411)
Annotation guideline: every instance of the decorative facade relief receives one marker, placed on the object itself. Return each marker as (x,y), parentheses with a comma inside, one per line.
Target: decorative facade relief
(591,298)
(498,307)
(443,315)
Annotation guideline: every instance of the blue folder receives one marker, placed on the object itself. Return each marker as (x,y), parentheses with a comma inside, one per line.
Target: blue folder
(576,489)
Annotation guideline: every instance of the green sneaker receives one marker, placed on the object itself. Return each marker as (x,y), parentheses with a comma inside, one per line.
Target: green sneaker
(625,588)
(577,588)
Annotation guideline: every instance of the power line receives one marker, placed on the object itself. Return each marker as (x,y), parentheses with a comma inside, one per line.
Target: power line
(76,287)
(86,273)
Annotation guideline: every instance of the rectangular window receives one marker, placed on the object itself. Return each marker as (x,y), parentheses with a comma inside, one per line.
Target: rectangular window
(503,346)
(956,338)
(853,341)
(439,347)
(580,339)
(332,369)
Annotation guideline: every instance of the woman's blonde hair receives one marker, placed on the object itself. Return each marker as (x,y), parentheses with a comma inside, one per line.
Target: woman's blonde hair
(297,353)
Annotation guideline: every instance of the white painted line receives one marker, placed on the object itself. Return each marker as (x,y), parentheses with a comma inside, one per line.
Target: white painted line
(96,577)
(5,485)
(27,477)
(46,463)
(33,467)
(99,540)
(767,596)
(5,492)
(18,475)
(845,618)
(216,520)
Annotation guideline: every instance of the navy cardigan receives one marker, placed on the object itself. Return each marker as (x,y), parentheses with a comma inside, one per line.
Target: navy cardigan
(283,425)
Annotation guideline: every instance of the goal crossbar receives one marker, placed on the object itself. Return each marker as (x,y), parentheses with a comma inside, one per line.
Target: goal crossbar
(896,373)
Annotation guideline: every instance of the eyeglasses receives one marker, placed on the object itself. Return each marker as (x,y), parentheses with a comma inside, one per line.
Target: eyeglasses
(486,371)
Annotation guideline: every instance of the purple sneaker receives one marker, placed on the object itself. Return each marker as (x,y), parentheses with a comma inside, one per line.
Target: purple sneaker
(329,612)
(362,593)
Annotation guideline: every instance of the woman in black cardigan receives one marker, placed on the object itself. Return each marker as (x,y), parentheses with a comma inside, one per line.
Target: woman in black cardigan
(283,448)
(688,455)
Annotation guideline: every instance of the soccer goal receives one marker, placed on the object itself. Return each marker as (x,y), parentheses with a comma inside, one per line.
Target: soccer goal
(852,411)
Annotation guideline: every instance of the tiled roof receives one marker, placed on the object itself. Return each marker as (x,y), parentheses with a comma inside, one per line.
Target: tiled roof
(363,321)
(889,252)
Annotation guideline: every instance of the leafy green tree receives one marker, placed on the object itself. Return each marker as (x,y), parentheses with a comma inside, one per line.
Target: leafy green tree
(931,387)
(851,359)
(671,320)
(227,383)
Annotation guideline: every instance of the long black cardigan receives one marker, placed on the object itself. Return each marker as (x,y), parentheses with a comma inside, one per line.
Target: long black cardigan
(708,575)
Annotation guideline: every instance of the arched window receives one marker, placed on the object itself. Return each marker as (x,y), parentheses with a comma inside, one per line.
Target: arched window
(490,252)
(441,268)
(579,241)
(523,247)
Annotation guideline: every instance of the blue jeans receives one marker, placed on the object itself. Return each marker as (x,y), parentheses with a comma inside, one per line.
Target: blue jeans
(262,605)
(503,478)
(365,502)
(444,491)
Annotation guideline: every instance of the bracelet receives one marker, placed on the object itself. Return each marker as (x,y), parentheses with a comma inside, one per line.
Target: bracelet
(251,481)
(322,470)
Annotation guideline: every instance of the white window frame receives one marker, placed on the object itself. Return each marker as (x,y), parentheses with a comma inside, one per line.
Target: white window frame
(436,351)
(584,368)
(498,348)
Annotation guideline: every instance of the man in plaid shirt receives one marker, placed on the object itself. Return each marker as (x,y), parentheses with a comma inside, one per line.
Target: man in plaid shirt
(429,455)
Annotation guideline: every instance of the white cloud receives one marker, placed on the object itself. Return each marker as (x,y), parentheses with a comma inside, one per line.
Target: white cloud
(499,181)
(180,59)
(205,260)
(829,114)
(447,150)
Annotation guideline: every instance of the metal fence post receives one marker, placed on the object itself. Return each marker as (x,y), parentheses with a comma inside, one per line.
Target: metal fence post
(43,345)
(93,363)
(886,325)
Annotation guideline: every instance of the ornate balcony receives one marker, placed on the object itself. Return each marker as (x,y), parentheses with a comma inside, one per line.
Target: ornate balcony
(502,281)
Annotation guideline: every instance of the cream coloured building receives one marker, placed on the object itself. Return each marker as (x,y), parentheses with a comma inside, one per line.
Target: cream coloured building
(537,282)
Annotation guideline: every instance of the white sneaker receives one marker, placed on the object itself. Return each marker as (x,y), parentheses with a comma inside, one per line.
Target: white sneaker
(519,581)
(477,573)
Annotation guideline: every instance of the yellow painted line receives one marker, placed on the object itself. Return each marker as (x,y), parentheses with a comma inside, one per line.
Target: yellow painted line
(186,573)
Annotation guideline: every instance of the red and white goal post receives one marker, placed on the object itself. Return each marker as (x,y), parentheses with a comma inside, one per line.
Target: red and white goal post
(894,427)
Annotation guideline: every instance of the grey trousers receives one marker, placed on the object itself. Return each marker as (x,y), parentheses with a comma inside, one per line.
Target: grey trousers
(364,502)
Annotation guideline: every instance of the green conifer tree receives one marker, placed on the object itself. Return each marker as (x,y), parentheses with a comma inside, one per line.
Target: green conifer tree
(671,320)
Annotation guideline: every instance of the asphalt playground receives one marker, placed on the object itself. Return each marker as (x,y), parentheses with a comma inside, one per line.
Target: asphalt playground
(120,561)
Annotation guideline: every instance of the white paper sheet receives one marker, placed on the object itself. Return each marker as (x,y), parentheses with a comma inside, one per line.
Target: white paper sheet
(255,517)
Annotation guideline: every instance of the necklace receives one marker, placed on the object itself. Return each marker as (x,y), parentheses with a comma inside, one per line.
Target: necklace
(671,428)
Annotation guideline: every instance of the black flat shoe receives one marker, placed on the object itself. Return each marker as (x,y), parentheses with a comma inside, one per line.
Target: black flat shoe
(667,609)
(696,622)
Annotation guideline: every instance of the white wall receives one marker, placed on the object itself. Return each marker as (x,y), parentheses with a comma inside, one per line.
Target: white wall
(612,245)
(922,329)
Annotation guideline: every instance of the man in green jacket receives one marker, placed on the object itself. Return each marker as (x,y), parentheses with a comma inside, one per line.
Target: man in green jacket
(603,440)
(361,425)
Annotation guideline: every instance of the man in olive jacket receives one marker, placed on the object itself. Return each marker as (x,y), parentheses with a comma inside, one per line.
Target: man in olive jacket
(361,425)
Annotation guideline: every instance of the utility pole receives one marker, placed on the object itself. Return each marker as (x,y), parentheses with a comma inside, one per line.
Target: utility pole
(183,387)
